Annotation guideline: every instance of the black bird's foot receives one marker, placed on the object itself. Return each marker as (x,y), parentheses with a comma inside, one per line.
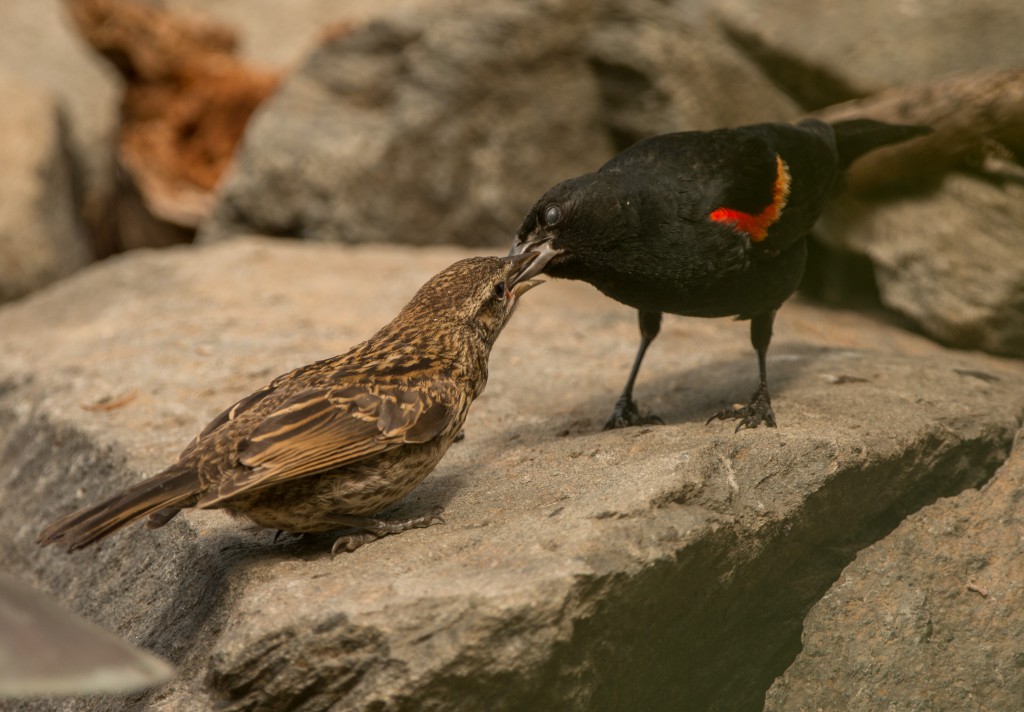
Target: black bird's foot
(373,529)
(750,416)
(626,414)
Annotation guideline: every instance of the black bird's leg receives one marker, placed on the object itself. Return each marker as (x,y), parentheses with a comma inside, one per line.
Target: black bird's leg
(760,408)
(372,528)
(626,413)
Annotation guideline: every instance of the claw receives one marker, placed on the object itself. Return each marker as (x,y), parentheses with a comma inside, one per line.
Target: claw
(373,529)
(750,416)
(626,414)
(351,542)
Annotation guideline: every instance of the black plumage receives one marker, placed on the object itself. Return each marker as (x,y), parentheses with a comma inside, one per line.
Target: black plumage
(700,223)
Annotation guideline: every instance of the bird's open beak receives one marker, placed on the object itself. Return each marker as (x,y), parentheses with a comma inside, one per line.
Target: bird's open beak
(540,249)
(520,287)
(522,270)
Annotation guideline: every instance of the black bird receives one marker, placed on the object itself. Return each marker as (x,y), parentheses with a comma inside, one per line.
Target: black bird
(330,444)
(700,223)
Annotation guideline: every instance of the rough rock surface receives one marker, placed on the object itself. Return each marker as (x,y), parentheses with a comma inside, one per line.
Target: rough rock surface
(660,71)
(281,34)
(660,568)
(41,238)
(822,53)
(40,46)
(950,260)
(445,123)
(929,618)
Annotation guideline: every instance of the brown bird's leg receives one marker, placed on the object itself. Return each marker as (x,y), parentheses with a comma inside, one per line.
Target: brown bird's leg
(760,408)
(626,412)
(373,528)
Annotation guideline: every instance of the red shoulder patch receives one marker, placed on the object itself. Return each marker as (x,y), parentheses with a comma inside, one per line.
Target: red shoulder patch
(756,226)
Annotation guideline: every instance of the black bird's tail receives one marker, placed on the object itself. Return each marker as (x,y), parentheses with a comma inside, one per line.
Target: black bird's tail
(160,495)
(855,137)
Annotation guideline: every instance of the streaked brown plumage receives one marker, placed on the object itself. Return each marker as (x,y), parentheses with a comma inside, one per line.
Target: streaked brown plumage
(329,444)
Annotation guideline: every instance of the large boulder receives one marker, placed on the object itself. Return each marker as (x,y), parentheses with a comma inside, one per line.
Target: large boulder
(663,568)
(446,122)
(40,46)
(929,618)
(41,237)
(825,52)
(660,71)
(948,259)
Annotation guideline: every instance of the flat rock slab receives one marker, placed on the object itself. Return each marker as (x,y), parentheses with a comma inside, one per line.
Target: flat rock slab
(649,568)
(929,618)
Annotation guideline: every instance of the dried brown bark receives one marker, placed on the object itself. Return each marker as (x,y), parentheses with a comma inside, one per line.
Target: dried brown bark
(976,117)
(186,104)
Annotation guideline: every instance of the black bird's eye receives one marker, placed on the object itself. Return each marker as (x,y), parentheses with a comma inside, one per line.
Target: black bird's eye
(499,290)
(552,214)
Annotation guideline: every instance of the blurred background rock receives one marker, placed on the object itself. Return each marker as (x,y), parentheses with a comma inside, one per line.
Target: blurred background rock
(440,122)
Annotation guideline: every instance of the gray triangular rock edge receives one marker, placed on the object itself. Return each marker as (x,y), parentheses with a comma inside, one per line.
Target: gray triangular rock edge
(662,568)
(930,617)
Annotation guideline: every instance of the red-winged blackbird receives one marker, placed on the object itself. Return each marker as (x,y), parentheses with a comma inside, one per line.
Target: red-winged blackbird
(700,223)
(329,444)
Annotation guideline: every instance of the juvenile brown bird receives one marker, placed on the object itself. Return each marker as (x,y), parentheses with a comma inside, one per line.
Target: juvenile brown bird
(328,445)
(700,223)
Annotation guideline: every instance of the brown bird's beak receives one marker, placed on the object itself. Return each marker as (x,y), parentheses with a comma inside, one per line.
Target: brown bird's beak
(521,288)
(540,249)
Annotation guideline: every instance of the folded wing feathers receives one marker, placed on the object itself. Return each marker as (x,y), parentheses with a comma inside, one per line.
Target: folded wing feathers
(316,431)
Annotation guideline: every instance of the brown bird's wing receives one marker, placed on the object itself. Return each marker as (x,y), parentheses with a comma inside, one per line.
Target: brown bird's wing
(320,430)
(232,412)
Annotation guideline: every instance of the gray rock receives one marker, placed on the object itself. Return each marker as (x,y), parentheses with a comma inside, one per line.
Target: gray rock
(435,126)
(41,238)
(660,70)
(950,260)
(445,124)
(823,53)
(40,45)
(657,568)
(929,618)
(281,34)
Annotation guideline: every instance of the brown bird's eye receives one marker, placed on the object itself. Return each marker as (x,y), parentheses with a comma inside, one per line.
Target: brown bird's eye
(552,215)
(499,290)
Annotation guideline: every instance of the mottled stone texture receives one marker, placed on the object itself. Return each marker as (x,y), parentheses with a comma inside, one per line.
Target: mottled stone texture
(659,568)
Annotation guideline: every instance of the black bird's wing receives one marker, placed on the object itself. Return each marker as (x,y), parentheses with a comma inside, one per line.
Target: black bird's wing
(319,430)
(767,182)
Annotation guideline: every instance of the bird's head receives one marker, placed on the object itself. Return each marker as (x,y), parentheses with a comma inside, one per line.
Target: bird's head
(472,296)
(576,221)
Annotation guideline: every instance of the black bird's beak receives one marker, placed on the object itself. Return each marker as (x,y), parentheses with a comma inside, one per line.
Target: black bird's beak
(537,247)
(519,281)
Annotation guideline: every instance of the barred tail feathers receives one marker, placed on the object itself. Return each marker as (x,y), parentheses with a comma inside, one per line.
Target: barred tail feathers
(160,495)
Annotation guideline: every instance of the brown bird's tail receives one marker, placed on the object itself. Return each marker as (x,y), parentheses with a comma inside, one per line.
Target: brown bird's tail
(855,137)
(160,495)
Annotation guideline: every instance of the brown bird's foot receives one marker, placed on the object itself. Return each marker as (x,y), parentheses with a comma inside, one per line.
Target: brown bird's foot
(281,532)
(373,529)
(626,414)
(750,416)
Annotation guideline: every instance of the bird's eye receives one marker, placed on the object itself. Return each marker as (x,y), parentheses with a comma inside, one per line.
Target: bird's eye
(499,290)
(552,214)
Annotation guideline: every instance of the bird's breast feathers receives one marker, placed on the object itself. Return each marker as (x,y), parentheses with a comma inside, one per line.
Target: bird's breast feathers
(755,226)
